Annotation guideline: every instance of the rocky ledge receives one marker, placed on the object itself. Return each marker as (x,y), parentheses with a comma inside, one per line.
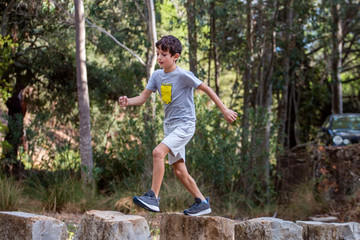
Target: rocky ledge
(110,225)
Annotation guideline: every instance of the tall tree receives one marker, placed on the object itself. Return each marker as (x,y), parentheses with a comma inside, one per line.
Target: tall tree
(213,50)
(283,105)
(192,34)
(17,20)
(247,80)
(83,95)
(267,12)
(151,23)
(257,81)
(336,57)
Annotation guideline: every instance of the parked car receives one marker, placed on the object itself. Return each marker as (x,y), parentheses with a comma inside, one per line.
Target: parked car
(340,129)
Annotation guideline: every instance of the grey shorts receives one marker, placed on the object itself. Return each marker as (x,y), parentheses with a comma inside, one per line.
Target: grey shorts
(177,135)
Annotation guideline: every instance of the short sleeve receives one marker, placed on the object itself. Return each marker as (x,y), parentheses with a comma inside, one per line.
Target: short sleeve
(151,85)
(191,80)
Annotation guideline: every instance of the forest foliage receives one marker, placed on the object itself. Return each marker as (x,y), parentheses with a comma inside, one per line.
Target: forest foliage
(283,65)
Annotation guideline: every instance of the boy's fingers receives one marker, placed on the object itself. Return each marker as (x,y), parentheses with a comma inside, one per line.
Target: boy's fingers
(122,100)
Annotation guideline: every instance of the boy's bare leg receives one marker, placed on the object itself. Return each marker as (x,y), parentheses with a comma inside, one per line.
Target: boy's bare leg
(159,154)
(184,177)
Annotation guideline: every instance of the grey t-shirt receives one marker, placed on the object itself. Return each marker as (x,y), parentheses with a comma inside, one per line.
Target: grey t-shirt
(177,92)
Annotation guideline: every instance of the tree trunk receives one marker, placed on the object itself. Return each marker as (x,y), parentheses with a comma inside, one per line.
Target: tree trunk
(15,134)
(83,96)
(152,56)
(5,18)
(152,36)
(214,44)
(247,86)
(283,106)
(209,63)
(265,110)
(150,114)
(217,71)
(192,35)
(265,95)
(336,57)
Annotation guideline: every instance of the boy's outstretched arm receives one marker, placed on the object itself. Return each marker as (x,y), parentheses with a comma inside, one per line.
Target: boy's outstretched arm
(229,115)
(124,101)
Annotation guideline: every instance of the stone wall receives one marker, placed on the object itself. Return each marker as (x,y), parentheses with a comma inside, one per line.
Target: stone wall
(110,225)
(334,170)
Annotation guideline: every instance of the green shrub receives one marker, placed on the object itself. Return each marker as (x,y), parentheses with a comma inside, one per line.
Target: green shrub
(123,146)
(10,194)
(214,149)
(54,189)
(66,158)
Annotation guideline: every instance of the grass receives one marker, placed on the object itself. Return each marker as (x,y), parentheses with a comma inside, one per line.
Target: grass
(72,228)
(10,194)
(53,189)
(62,191)
(303,202)
(174,196)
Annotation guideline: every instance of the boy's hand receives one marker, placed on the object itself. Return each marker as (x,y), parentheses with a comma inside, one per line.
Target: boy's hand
(230,115)
(123,101)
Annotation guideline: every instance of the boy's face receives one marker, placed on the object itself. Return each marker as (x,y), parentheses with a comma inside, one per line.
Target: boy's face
(165,60)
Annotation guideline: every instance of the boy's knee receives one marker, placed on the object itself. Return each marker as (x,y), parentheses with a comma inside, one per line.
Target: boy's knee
(157,153)
(160,151)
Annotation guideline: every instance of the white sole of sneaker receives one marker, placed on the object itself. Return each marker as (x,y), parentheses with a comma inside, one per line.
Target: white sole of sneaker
(151,207)
(206,211)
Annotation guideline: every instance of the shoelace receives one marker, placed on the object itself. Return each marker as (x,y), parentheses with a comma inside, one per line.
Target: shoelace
(194,205)
(147,194)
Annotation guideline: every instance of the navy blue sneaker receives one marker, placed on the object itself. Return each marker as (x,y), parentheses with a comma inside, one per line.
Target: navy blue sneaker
(199,208)
(148,201)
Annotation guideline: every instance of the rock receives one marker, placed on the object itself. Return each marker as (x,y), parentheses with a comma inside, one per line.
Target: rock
(111,225)
(323,218)
(175,226)
(267,229)
(27,226)
(329,231)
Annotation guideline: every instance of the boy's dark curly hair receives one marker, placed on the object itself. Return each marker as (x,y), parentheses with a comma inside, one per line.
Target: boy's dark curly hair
(170,43)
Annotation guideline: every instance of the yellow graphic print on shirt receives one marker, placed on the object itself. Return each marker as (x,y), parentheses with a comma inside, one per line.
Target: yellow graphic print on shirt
(166,92)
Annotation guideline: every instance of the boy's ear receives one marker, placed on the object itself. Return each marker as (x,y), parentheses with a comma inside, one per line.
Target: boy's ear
(177,56)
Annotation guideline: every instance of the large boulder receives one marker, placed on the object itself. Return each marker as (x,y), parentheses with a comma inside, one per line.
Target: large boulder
(267,229)
(111,225)
(27,226)
(330,231)
(175,226)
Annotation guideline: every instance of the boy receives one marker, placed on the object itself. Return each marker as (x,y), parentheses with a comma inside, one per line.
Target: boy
(176,87)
